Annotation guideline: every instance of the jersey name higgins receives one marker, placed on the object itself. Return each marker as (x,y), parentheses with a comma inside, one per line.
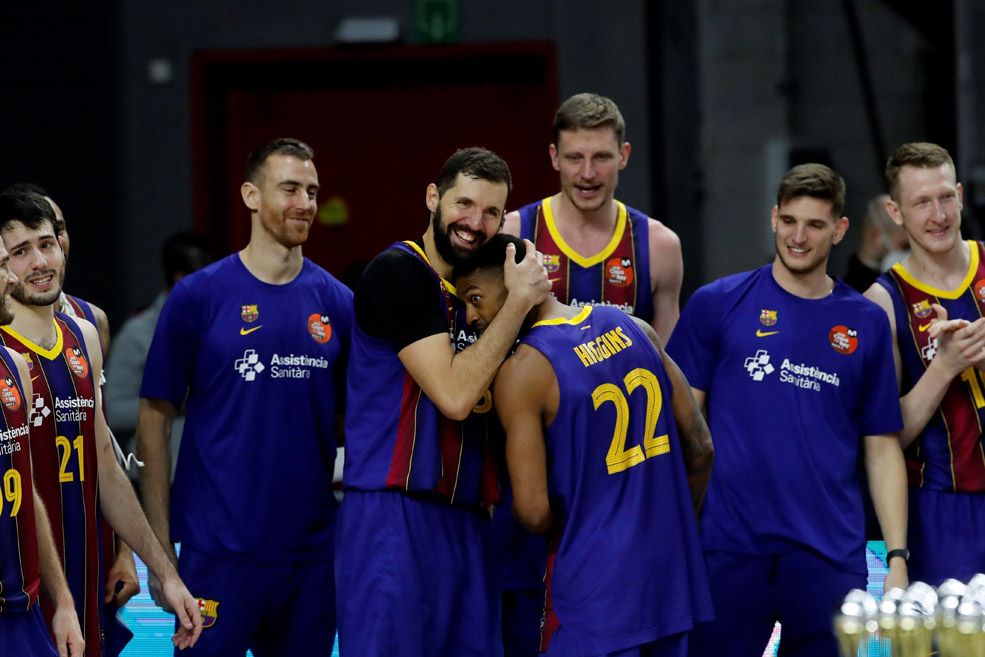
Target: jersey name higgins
(625,307)
(806,376)
(73,409)
(293,366)
(8,442)
(603,347)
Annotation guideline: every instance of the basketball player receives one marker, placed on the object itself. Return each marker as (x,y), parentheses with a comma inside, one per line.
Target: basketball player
(625,573)
(939,367)
(795,369)
(414,571)
(252,345)
(28,549)
(598,250)
(75,468)
(121,575)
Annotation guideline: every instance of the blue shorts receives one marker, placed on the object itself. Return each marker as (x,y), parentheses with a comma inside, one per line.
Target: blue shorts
(414,579)
(522,614)
(272,609)
(674,645)
(801,589)
(945,535)
(25,634)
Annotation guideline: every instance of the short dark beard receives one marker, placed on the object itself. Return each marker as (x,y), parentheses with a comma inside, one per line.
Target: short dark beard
(6,314)
(443,243)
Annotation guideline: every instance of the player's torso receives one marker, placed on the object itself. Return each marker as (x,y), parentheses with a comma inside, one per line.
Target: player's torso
(19,565)
(616,480)
(949,453)
(400,439)
(63,451)
(618,275)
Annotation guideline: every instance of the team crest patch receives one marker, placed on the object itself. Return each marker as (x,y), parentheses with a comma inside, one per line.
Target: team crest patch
(843,339)
(619,271)
(767,317)
(9,396)
(320,328)
(249,312)
(76,362)
(980,289)
(922,308)
(210,612)
(552,262)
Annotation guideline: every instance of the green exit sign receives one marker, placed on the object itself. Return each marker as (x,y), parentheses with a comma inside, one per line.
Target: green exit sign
(436,21)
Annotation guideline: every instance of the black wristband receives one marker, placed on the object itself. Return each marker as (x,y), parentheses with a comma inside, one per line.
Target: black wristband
(899,552)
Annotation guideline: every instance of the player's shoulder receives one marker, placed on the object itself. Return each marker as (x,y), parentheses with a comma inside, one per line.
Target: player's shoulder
(319,276)
(857,302)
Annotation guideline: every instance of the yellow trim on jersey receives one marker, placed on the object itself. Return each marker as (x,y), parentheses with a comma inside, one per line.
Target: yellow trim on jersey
(50,354)
(573,255)
(420,252)
(577,319)
(944,294)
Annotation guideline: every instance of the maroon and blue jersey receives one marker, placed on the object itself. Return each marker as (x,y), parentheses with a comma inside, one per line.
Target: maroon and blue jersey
(396,438)
(20,576)
(63,448)
(625,566)
(793,385)
(618,275)
(255,365)
(949,454)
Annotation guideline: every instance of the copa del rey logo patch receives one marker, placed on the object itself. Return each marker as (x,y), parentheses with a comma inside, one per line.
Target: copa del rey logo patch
(843,339)
(320,328)
(9,395)
(76,362)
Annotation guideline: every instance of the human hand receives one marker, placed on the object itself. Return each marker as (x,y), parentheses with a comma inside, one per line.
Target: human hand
(526,281)
(121,580)
(186,610)
(66,632)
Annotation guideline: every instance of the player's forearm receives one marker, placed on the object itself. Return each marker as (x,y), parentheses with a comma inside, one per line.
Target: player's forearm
(52,573)
(699,456)
(457,386)
(153,447)
(886,471)
(922,401)
(120,506)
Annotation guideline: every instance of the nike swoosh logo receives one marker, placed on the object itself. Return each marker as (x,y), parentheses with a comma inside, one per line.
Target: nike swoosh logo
(923,327)
(760,333)
(35,378)
(247,331)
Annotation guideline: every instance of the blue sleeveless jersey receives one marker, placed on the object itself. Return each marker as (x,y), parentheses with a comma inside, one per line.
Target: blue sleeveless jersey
(793,385)
(20,577)
(63,450)
(949,453)
(256,365)
(396,438)
(619,275)
(625,566)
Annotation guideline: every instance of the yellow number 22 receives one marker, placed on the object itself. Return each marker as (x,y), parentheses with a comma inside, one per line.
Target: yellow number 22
(619,458)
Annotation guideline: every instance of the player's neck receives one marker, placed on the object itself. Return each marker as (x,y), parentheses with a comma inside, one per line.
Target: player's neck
(553,309)
(945,271)
(569,217)
(36,323)
(270,261)
(815,284)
